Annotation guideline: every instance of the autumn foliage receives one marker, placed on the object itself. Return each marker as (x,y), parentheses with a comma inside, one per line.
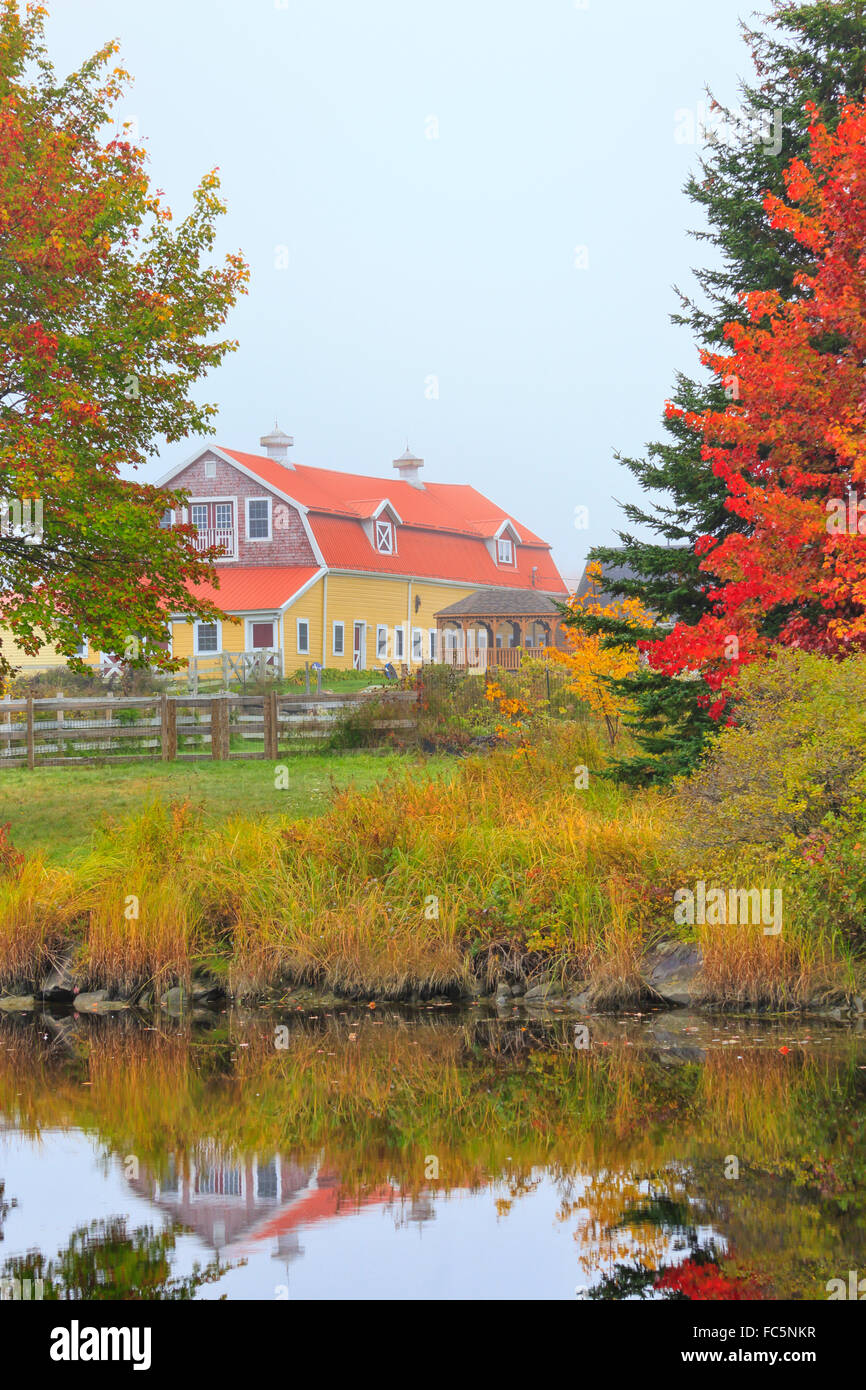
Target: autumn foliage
(790,445)
(110,315)
(591,660)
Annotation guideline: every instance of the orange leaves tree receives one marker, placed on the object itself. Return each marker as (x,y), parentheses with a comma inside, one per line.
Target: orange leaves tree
(109,316)
(791,447)
(595,662)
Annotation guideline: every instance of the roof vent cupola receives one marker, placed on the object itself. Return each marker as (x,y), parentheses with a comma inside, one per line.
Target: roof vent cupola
(278,444)
(409,467)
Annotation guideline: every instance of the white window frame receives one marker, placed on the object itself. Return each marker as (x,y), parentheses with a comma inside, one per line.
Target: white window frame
(217,651)
(508,557)
(385,537)
(399,642)
(417,644)
(192,520)
(210,468)
(248,632)
(299,622)
(269,503)
(342,630)
(433,643)
(382,642)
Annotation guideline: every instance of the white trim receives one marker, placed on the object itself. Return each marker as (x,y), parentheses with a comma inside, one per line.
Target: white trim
(207,622)
(302,651)
(433,643)
(380,628)
(338,623)
(232,499)
(249,622)
(307,584)
(395,515)
(256,540)
(379,527)
(490,583)
(418,632)
(509,559)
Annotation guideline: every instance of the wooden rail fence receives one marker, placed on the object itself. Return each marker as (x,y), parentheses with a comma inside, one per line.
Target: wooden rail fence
(169,728)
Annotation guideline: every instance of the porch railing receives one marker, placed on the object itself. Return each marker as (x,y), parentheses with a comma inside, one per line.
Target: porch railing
(216,535)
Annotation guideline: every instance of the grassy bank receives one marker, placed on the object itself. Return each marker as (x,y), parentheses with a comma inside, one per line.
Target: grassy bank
(419,883)
(491,872)
(55,810)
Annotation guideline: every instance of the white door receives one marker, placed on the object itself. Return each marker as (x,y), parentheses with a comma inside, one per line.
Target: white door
(359,647)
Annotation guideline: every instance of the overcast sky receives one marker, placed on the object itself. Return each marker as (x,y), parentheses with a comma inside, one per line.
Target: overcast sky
(463,218)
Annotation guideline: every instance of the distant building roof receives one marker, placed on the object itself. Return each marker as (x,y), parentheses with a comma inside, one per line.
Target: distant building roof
(491,603)
(608,573)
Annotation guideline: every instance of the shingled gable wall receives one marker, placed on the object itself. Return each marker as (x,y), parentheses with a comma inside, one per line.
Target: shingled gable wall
(289,544)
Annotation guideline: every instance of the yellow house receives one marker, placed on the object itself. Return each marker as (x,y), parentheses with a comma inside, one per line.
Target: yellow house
(341,568)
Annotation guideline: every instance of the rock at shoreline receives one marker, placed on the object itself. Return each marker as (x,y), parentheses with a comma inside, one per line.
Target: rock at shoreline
(17,1003)
(672,969)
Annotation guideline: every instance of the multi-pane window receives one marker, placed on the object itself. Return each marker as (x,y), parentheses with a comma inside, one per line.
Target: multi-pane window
(222,516)
(384,537)
(505,551)
(207,637)
(198,515)
(258,519)
(338,644)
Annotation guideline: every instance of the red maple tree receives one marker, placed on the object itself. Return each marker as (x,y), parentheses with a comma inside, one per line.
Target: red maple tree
(791,444)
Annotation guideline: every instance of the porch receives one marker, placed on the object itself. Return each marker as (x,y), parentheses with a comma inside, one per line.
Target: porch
(492,627)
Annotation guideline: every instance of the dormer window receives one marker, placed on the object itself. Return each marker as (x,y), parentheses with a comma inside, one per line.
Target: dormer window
(385,537)
(505,551)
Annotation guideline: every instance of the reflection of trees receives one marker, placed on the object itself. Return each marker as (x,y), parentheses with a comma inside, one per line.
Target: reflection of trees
(4,1206)
(105,1261)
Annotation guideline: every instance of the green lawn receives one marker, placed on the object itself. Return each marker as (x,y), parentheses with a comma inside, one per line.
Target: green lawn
(57,808)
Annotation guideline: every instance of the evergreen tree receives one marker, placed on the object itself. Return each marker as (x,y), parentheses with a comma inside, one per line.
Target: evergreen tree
(808,52)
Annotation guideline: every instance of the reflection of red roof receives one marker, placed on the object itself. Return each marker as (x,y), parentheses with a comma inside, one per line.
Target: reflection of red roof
(249,587)
(442,534)
(321,1204)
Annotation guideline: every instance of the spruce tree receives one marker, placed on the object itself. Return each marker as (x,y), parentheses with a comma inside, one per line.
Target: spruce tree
(808,52)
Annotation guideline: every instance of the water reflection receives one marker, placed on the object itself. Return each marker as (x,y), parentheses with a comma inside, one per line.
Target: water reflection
(410,1155)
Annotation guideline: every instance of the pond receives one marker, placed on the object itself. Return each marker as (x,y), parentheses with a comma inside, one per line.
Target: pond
(400,1153)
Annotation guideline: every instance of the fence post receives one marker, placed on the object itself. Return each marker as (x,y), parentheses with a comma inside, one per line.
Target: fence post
(59,719)
(271,715)
(168,729)
(31,736)
(7,723)
(225,670)
(306,677)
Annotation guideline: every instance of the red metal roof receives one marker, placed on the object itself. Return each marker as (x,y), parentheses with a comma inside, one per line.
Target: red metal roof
(444,526)
(245,588)
(432,555)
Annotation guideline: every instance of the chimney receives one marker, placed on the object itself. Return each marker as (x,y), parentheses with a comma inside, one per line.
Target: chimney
(408,466)
(278,444)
